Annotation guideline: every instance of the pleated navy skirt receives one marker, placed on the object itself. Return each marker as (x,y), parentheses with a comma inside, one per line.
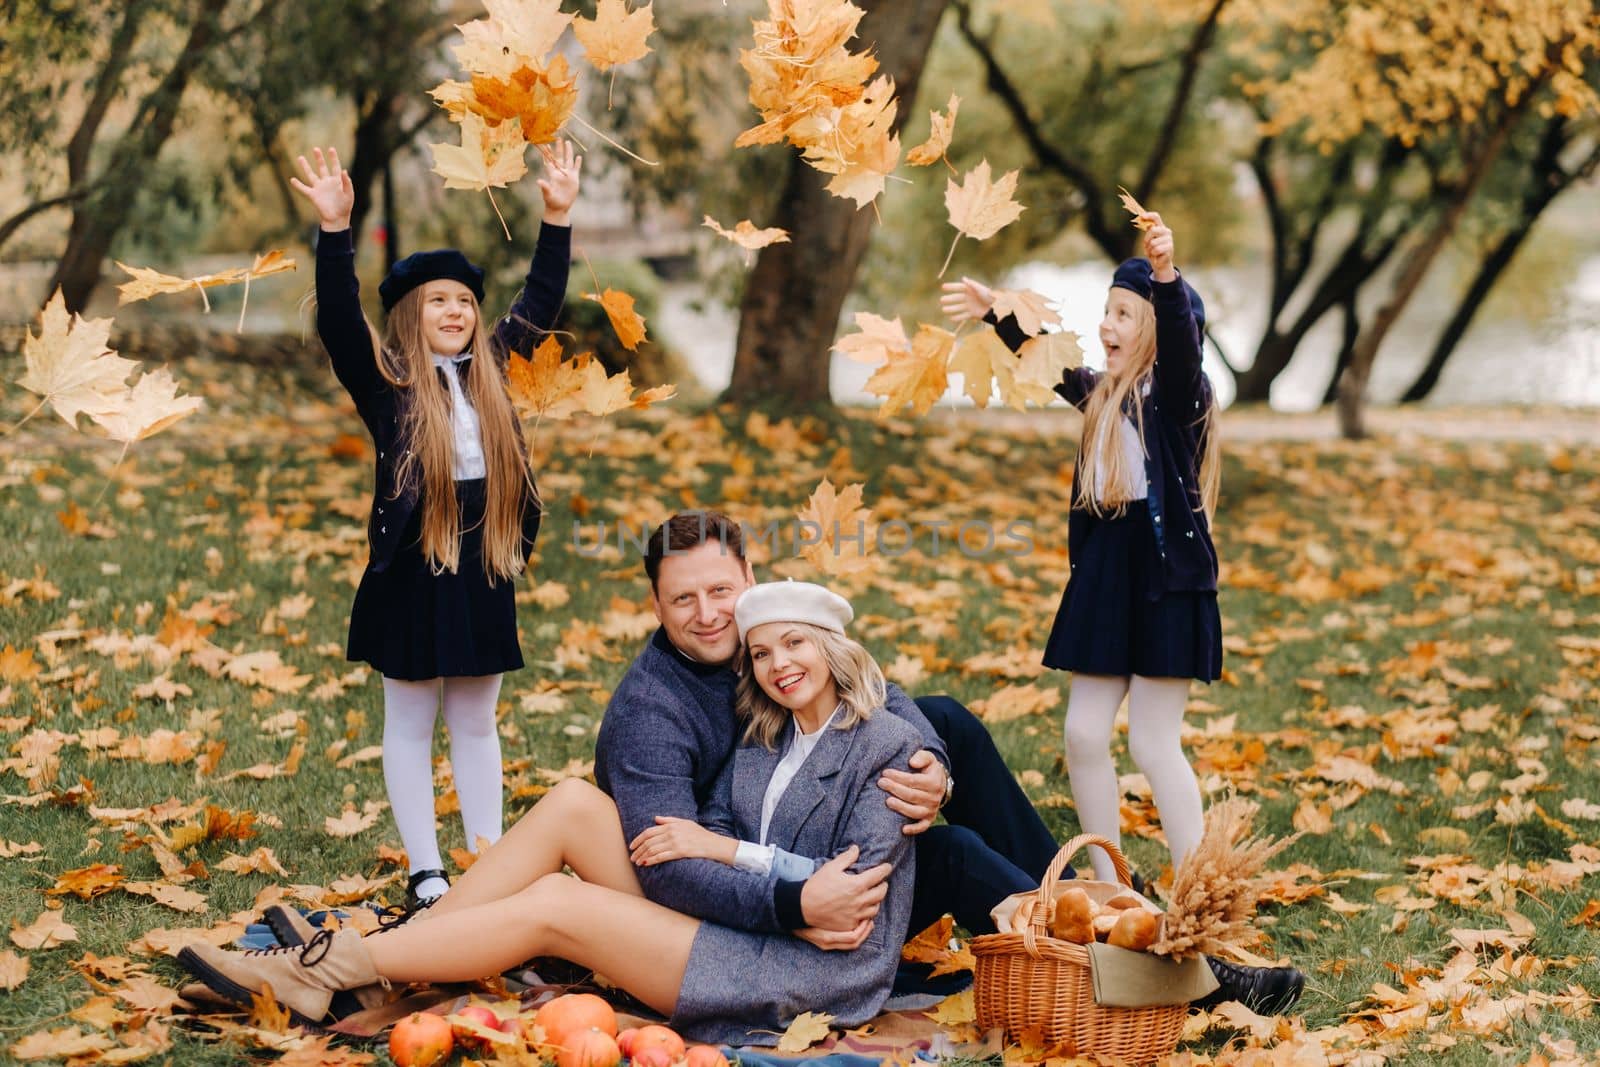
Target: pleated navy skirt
(414,625)
(1110,623)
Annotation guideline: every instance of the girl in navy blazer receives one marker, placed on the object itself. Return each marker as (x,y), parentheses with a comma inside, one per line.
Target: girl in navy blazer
(454,508)
(802,789)
(1139,615)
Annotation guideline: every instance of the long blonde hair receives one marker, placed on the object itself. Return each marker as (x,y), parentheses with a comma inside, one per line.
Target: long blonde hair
(856,676)
(1102,416)
(405,360)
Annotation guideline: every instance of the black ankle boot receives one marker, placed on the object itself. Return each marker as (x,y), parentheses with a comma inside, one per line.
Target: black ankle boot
(414,902)
(1264,990)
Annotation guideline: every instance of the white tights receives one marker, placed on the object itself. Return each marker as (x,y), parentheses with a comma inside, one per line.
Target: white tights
(1155,721)
(409,709)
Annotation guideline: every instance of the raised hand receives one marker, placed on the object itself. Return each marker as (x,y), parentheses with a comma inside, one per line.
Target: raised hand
(328,187)
(966,299)
(1158,246)
(563,172)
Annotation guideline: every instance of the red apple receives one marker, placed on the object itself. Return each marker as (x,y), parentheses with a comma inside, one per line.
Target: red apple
(421,1039)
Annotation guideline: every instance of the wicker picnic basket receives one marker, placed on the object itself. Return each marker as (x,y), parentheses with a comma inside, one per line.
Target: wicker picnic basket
(1031,981)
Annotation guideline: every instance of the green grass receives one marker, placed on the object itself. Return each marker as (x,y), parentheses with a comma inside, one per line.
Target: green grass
(1346,562)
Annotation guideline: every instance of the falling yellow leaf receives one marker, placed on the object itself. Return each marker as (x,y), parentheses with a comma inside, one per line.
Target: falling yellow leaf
(983,360)
(806,1030)
(941,129)
(147,282)
(746,236)
(837,530)
(517,32)
(485,157)
(979,207)
(1141,217)
(1043,360)
(149,407)
(628,324)
(1032,311)
(879,341)
(70,366)
(615,35)
(918,378)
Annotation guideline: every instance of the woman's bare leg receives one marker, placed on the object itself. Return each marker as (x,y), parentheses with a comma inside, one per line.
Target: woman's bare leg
(639,945)
(574,825)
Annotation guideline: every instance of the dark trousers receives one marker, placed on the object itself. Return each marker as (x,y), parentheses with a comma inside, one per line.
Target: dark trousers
(994,845)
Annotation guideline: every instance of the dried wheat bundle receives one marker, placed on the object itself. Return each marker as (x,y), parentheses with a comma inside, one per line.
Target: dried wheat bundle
(1215,889)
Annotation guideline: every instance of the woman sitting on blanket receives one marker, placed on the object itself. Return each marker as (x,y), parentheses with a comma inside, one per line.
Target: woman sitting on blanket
(800,790)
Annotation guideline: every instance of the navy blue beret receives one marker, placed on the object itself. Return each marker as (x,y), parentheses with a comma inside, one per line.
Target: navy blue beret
(1137,276)
(419,268)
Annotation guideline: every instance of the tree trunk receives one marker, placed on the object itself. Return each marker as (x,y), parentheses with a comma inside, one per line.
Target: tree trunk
(1353,382)
(1549,182)
(97,219)
(790,312)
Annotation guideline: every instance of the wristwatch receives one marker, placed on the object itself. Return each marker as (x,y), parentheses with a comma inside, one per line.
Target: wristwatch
(949,788)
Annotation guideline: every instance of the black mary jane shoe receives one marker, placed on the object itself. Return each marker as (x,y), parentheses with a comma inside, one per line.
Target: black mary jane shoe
(1264,990)
(415,903)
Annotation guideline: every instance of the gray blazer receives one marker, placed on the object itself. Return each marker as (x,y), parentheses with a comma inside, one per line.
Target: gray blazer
(740,982)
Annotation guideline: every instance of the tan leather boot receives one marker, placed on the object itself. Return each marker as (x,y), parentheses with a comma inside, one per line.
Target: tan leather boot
(303,979)
(292,929)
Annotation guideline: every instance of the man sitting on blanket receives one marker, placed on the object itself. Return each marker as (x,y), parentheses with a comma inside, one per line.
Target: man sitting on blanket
(670,726)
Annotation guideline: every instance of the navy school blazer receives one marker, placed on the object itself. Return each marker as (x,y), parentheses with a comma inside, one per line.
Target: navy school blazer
(1174,413)
(343,330)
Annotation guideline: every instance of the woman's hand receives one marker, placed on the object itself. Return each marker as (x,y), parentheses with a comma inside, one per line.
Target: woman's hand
(562,174)
(966,299)
(1158,246)
(680,839)
(328,187)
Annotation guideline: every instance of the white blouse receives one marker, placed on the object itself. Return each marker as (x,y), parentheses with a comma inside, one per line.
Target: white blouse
(469,462)
(751,856)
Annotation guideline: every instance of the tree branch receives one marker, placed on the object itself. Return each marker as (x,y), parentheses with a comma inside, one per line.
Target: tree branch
(1167,139)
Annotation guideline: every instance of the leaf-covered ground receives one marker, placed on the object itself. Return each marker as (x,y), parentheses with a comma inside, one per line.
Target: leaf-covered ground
(1413,635)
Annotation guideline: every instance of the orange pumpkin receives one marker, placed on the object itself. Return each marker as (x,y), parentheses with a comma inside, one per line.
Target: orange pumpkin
(588,1048)
(657,1036)
(421,1039)
(575,1011)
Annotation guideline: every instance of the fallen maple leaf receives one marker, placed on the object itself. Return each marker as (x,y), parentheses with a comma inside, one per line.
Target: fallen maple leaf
(149,407)
(145,994)
(941,129)
(350,823)
(61,1044)
(13,969)
(916,379)
(47,931)
(267,1014)
(70,366)
(175,897)
(954,1010)
(806,1030)
(17,666)
(100,1012)
(980,207)
(86,883)
(746,236)
(320,1052)
(628,323)
(1141,217)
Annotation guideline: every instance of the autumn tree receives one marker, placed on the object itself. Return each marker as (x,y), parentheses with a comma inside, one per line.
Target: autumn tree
(1413,71)
(789,314)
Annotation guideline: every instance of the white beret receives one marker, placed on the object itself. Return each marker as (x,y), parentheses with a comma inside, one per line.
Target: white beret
(791,601)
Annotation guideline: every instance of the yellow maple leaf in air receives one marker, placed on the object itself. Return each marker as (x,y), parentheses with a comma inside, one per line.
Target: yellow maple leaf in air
(879,341)
(1033,312)
(146,282)
(70,365)
(1141,217)
(485,157)
(628,323)
(746,236)
(615,35)
(916,379)
(983,360)
(842,528)
(942,128)
(980,207)
(149,407)
(517,33)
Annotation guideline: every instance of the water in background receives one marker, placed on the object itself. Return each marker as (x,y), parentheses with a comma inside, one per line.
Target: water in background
(1555,361)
